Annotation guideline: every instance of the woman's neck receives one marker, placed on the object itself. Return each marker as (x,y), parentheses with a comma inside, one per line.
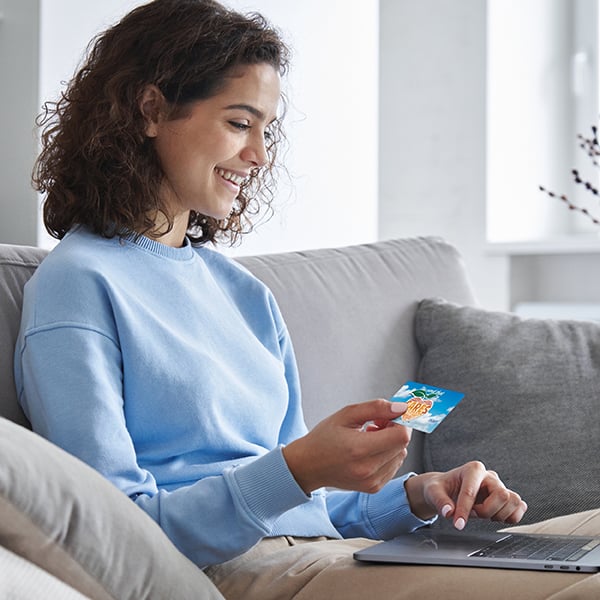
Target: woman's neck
(175,237)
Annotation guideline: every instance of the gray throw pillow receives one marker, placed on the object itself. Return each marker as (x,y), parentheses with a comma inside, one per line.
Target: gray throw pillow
(62,516)
(531,406)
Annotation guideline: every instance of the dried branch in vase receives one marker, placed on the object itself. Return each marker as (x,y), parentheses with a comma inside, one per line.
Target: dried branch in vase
(591,146)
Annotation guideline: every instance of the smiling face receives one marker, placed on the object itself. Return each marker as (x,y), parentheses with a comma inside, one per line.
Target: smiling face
(211,149)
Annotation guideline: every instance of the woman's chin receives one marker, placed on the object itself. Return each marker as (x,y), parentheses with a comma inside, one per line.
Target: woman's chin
(221,213)
(219,209)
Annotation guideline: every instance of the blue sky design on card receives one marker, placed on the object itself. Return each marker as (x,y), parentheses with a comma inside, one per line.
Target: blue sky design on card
(428,405)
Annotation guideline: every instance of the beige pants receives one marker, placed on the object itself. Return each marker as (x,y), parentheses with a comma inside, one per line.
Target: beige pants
(313,569)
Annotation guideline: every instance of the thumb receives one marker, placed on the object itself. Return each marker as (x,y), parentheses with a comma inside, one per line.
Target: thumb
(448,510)
(446,507)
(356,415)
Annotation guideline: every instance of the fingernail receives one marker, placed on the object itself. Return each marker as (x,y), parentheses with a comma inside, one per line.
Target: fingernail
(398,407)
(445,510)
(460,524)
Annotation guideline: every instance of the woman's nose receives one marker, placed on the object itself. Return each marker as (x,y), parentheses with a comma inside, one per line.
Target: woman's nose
(255,152)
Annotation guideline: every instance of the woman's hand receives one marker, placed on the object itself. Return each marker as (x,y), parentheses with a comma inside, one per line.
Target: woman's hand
(357,448)
(469,490)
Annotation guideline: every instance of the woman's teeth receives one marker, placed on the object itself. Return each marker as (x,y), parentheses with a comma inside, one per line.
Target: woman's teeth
(233,177)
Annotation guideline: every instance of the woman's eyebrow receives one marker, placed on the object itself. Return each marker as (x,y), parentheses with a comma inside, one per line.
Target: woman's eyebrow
(247,107)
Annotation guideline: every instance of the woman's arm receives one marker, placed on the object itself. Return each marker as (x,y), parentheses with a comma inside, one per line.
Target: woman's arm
(71,384)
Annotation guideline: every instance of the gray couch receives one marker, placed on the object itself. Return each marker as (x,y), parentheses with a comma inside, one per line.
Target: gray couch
(363,320)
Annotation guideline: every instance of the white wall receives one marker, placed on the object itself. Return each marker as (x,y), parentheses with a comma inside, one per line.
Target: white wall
(433,132)
(18,146)
(332,124)
(331,198)
(66,27)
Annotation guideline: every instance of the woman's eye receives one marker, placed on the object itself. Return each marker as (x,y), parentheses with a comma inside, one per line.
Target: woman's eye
(239,125)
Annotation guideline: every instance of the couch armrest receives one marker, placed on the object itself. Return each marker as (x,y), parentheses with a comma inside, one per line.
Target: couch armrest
(64,517)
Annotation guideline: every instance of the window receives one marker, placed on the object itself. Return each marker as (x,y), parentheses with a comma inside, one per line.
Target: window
(542,92)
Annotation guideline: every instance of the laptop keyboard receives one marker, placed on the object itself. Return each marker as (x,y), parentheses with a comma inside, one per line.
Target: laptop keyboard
(541,548)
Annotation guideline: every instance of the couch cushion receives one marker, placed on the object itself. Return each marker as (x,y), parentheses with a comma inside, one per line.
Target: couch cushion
(530,411)
(22,580)
(17,264)
(62,516)
(350,314)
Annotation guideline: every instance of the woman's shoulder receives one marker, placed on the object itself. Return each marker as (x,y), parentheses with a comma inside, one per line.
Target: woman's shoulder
(65,261)
(68,286)
(79,250)
(229,267)
(80,267)
(240,283)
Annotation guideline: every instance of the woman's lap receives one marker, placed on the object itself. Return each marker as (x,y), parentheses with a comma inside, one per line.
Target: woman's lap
(310,569)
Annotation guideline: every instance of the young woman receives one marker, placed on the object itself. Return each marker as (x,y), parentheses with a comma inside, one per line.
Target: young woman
(167,366)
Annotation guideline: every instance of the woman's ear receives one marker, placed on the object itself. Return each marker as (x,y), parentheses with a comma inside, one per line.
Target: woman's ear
(151,106)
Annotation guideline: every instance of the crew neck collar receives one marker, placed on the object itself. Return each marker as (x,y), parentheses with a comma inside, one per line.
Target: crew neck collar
(184,252)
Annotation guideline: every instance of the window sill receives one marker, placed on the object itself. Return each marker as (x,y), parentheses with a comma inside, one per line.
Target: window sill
(588,243)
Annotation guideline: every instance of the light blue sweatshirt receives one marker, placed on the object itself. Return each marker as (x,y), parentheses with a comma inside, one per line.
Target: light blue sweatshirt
(171,372)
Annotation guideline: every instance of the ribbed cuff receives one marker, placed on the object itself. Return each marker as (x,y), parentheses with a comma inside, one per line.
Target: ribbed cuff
(265,488)
(388,511)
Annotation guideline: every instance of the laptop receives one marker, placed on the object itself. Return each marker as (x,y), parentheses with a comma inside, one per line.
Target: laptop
(499,550)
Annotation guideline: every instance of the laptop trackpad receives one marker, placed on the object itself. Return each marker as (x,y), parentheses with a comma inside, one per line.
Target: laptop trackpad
(431,541)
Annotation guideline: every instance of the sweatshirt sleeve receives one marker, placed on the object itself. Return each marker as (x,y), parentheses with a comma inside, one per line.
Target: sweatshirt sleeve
(379,516)
(78,405)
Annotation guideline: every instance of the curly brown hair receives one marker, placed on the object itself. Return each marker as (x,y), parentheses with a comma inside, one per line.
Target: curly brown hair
(98,168)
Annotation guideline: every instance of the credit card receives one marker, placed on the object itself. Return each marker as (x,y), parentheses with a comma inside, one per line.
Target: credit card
(428,405)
